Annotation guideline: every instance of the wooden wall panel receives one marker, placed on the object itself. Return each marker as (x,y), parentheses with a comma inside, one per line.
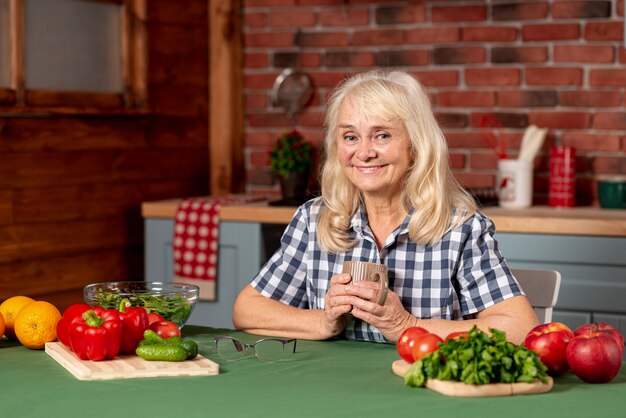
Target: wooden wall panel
(71,187)
(6,206)
(67,134)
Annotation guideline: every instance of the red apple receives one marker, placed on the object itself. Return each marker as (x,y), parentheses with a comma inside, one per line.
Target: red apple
(595,356)
(601,326)
(550,342)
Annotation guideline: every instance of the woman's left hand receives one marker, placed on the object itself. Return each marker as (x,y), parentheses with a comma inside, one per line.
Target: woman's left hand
(391,318)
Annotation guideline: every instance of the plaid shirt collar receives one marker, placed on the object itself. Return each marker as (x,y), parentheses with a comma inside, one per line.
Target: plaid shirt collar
(360,226)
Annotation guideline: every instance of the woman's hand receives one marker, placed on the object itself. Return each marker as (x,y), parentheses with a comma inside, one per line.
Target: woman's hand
(333,321)
(391,318)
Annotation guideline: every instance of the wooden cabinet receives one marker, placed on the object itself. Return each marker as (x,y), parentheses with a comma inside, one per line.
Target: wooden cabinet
(593,267)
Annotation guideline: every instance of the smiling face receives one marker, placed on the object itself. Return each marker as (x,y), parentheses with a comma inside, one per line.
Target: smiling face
(374,153)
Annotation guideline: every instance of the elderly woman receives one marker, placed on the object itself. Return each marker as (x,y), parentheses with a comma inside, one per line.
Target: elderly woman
(388,196)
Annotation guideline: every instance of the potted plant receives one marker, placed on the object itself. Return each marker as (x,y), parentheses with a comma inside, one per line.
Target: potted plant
(290,161)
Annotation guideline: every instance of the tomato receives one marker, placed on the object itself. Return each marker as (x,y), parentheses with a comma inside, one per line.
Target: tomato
(154,317)
(425,344)
(459,335)
(165,329)
(406,340)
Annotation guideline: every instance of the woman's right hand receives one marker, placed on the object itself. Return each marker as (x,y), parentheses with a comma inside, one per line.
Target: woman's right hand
(333,321)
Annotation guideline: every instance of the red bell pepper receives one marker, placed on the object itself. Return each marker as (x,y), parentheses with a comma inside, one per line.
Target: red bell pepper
(71,313)
(97,335)
(134,323)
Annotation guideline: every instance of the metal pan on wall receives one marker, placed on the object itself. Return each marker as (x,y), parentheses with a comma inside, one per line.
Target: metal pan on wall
(291,91)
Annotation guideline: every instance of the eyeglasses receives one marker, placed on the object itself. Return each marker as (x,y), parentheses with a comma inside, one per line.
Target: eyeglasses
(267,349)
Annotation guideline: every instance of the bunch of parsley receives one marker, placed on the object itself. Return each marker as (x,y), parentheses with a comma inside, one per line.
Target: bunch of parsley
(477,360)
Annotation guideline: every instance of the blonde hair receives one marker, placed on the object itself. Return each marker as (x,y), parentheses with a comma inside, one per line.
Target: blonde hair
(438,201)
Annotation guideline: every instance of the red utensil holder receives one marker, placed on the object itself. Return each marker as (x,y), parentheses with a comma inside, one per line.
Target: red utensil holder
(562,176)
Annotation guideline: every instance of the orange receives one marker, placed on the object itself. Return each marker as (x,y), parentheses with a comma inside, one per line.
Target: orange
(36,324)
(1,326)
(9,310)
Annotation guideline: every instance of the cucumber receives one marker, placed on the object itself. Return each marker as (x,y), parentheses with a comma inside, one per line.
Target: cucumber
(173,340)
(162,352)
(191,347)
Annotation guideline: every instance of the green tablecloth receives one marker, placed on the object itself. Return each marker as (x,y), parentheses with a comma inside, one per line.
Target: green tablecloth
(323,379)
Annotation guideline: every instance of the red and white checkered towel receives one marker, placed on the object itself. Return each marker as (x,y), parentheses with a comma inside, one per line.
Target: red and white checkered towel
(196,241)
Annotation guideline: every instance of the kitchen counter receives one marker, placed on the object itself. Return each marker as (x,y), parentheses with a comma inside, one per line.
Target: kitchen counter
(535,220)
(322,379)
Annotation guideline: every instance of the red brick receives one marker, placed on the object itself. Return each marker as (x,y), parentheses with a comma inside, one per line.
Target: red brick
(604,31)
(259,158)
(394,15)
(492,77)
(466,99)
(322,39)
(402,58)
(267,119)
(519,11)
(433,35)
(269,40)
(259,81)
(346,17)
(584,53)
(507,54)
(489,34)
(311,118)
(527,98)
(296,59)
(255,101)
(551,32)
(591,142)
(561,120)
(554,76)
(307,59)
(620,8)
(458,13)
(585,98)
(610,120)
(378,37)
(327,78)
(459,55)
(452,120)
(475,180)
(349,59)
(291,19)
(259,138)
(256,60)
(249,4)
(581,9)
(464,139)
(608,77)
(609,165)
(507,119)
(622,55)
(438,78)
(255,20)
(456,160)
(483,160)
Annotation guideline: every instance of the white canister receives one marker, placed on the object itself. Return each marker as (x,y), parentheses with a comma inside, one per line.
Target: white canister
(515,183)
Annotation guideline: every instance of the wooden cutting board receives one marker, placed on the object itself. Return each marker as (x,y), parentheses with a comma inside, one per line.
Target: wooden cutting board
(128,366)
(460,389)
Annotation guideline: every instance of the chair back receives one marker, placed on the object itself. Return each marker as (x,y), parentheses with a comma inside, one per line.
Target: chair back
(541,288)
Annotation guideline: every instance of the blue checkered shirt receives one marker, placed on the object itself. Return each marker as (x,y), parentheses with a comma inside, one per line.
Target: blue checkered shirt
(460,275)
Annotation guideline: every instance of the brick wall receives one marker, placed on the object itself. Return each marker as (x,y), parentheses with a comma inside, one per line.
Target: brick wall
(554,63)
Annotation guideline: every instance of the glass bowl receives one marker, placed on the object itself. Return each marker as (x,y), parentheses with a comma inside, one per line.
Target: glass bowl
(173,301)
